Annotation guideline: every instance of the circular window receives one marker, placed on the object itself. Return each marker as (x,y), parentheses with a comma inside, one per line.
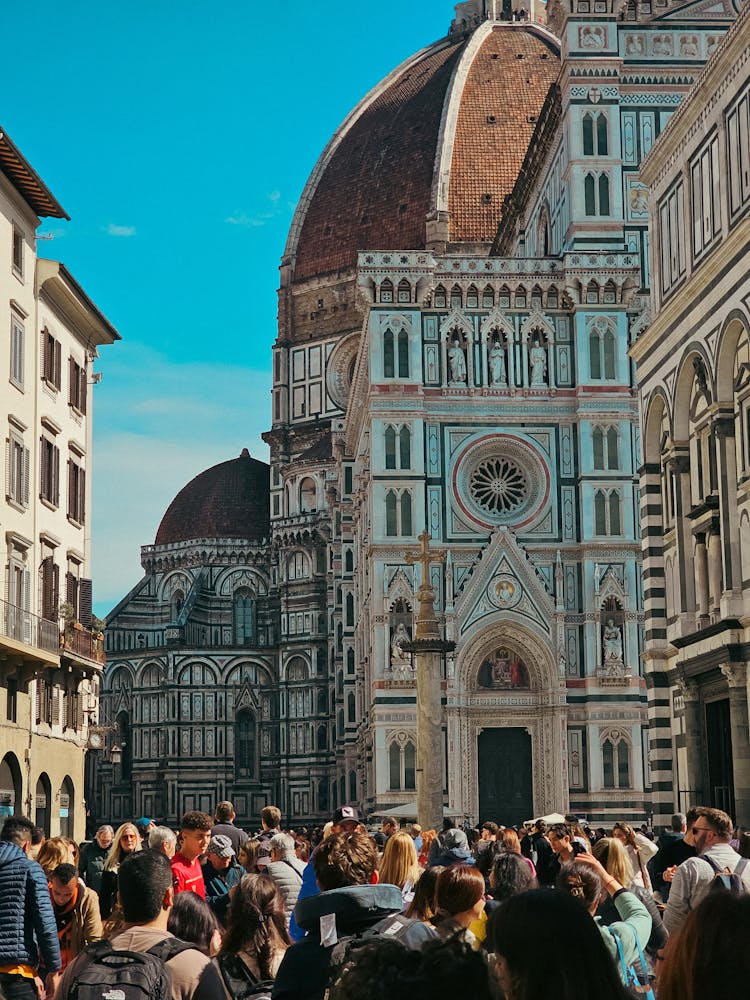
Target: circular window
(501,479)
(498,485)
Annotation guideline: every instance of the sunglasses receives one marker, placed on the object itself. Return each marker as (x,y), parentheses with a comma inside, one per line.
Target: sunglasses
(700,829)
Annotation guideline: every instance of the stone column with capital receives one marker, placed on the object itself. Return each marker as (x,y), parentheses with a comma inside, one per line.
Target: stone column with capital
(694,742)
(736,675)
(428,650)
(701,580)
(715,576)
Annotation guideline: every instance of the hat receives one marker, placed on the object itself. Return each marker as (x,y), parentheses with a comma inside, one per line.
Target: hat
(456,838)
(143,824)
(220,846)
(345,813)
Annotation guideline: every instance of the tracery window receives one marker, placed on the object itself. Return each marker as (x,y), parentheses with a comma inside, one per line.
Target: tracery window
(398,513)
(244,743)
(606,448)
(395,354)
(607,512)
(596,194)
(602,354)
(615,761)
(397,448)
(243,608)
(402,765)
(595,135)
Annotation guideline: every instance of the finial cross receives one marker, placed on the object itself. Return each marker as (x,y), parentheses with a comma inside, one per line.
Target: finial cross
(424,557)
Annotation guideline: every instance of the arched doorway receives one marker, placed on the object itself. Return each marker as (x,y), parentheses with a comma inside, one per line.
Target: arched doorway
(67,807)
(43,803)
(10,786)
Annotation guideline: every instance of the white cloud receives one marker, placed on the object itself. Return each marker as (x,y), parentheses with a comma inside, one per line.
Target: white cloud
(113,230)
(158,424)
(242,218)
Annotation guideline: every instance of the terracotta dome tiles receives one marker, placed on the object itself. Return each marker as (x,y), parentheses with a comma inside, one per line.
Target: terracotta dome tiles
(230,500)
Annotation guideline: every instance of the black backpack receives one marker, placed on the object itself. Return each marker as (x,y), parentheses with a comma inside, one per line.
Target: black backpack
(239,981)
(117,974)
(726,880)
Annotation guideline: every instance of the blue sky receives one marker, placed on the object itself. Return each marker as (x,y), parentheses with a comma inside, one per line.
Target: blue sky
(178,137)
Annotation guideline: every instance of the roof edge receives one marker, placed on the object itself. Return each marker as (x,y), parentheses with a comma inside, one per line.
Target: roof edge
(27,181)
(66,292)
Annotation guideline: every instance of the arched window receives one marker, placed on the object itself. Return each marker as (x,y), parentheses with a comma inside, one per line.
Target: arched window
(608,765)
(404,438)
(404,291)
(390,447)
(406,513)
(242,610)
(352,786)
(602,143)
(440,297)
(10,784)
(351,707)
(43,803)
(322,701)
(297,566)
(323,795)
(615,520)
(67,807)
(350,660)
(340,720)
(598,448)
(615,762)
(456,297)
(394,761)
(348,561)
(595,354)
(607,512)
(488,297)
(322,737)
(603,194)
(391,513)
(386,291)
(589,194)
(307,495)
(350,610)
(603,352)
(123,737)
(472,297)
(606,448)
(613,441)
(595,139)
(389,357)
(609,354)
(410,766)
(600,512)
(176,602)
(403,354)
(244,744)
(588,135)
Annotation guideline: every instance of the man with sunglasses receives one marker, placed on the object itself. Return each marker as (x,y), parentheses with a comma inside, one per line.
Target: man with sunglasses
(711,832)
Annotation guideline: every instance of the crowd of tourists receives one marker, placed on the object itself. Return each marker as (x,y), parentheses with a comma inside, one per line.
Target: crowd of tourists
(349,912)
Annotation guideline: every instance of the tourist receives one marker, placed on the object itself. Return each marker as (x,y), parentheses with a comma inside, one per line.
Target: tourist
(93,856)
(349,902)
(540,939)
(28,933)
(400,866)
(256,937)
(459,899)
(126,841)
(224,818)
(389,826)
(246,856)
(270,818)
(146,897)
(542,854)
(192,919)
(509,876)
(286,870)
(195,834)
(640,851)
(429,837)
(564,849)
(676,846)
(37,839)
(711,834)
(586,880)
(54,851)
(455,850)
(144,826)
(163,839)
(615,861)
(508,841)
(415,831)
(220,873)
(76,909)
(422,906)
(710,956)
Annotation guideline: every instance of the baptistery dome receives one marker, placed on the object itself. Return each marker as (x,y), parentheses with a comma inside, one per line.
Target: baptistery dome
(430,153)
(229,500)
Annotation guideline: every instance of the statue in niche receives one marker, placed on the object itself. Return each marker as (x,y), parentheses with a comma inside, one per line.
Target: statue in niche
(538,361)
(612,639)
(399,657)
(498,374)
(503,670)
(457,363)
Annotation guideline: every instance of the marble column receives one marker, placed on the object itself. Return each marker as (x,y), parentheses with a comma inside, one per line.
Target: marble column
(726,459)
(736,675)
(701,580)
(694,742)
(715,575)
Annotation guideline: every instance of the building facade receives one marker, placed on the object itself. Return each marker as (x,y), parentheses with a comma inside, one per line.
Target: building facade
(51,656)
(464,274)
(693,363)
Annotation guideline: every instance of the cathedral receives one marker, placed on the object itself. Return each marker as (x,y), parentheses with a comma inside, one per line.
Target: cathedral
(464,275)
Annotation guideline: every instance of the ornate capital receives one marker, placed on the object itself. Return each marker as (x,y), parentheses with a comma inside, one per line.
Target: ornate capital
(735,673)
(688,688)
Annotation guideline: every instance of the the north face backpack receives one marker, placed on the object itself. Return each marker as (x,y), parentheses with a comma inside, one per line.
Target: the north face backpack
(239,981)
(117,974)
(726,880)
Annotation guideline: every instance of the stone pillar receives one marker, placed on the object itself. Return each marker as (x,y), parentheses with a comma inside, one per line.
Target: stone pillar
(428,650)
(701,580)
(736,675)
(694,742)
(726,460)
(715,570)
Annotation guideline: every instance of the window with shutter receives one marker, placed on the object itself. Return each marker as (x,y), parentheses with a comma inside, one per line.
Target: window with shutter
(54,714)
(85,601)
(40,696)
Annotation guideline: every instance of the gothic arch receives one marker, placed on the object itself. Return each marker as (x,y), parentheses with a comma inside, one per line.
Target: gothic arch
(176,580)
(657,406)
(244,576)
(683,390)
(734,326)
(532,647)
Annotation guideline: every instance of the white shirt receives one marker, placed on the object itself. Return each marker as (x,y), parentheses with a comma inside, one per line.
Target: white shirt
(693,880)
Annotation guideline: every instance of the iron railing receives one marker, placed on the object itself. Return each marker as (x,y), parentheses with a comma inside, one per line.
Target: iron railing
(23,626)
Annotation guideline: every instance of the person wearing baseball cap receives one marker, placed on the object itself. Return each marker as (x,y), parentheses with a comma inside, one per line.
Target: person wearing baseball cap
(221,872)
(345,820)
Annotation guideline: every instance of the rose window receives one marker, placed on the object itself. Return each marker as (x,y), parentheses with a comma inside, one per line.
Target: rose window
(501,479)
(498,485)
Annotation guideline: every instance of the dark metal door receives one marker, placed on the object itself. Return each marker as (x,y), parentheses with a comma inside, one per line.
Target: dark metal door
(719,747)
(505,777)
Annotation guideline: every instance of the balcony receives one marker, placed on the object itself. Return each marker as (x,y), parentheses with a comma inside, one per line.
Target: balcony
(80,644)
(27,635)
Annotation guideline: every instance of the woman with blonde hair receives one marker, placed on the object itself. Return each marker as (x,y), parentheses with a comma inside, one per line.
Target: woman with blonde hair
(53,852)
(509,842)
(640,851)
(400,866)
(613,857)
(125,842)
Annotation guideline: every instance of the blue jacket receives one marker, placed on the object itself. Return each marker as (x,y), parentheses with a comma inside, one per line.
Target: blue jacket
(308,888)
(27,922)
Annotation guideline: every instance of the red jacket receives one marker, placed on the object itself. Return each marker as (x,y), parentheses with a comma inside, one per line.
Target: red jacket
(187,876)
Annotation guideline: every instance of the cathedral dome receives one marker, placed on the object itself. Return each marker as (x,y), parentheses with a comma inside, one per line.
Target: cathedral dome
(229,500)
(433,149)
